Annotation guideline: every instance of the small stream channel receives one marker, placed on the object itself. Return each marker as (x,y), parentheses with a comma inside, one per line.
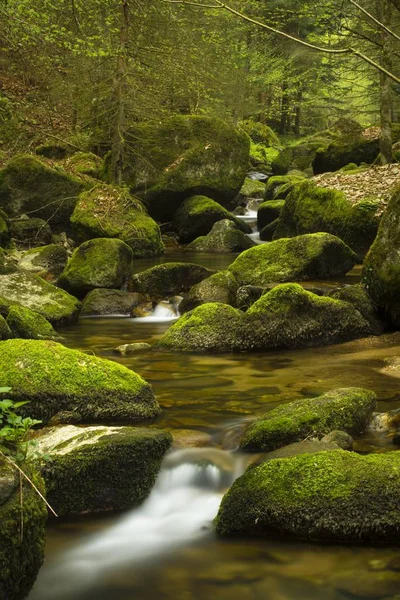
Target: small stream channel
(166,549)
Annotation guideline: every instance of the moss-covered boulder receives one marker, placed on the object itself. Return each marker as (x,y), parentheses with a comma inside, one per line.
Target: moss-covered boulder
(223,237)
(313,256)
(29,325)
(49,260)
(98,263)
(30,233)
(268,212)
(5,235)
(358,297)
(260,133)
(169,279)
(28,185)
(279,187)
(221,287)
(346,409)
(300,155)
(267,233)
(85,163)
(212,327)
(252,188)
(381,272)
(30,290)
(98,469)
(59,381)
(344,150)
(53,151)
(289,316)
(309,209)
(5,331)
(198,214)
(107,211)
(109,302)
(334,496)
(184,155)
(22,533)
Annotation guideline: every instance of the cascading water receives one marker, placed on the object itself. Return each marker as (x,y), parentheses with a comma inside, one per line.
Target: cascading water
(163,312)
(179,511)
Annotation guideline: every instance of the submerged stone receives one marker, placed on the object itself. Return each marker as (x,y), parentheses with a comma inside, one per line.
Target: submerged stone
(306,257)
(100,469)
(98,263)
(55,379)
(331,496)
(347,409)
(197,215)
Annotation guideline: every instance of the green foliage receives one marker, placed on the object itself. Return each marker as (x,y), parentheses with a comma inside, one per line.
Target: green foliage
(13,427)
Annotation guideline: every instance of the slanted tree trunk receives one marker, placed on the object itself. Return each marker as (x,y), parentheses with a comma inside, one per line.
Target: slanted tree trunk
(384,14)
(119,129)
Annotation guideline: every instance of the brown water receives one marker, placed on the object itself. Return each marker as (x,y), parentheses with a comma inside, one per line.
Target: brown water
(214,394)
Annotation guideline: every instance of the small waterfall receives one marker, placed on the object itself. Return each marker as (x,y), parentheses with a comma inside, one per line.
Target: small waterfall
(179,511)
(163,312)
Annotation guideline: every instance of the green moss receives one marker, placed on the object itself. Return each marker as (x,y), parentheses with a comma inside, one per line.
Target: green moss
(99,469)
(220,287)
(21,556)
(211,327)
(347,409)
(252,188)
(26,289)
(109,211)
(288,316)
(182,156)
(309,208)
(50,259)
(28,185)
(278,182)
(262,156)
(29,325)
(259,132)
(282,163)
(98,263)
(169,279)
(268,212)
(223,237)
(336,496)
(198,214)
(55,379)
(85,163)
(314,256)
(358,297)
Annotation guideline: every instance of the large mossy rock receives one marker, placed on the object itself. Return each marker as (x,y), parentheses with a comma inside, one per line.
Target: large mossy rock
(212,327)
(279,186)
(252,188)
(345,409)
(97,263)
(169,279)
(345,150)
(49,260)
(286,317)
(196,216)
(22,533)
(29,325)
(98,469)
(310,209)
(223,237)
(109,302)
(359,298)
(260,133)
(30,233)
(331,496)
(301,155)
(184,155)
(221,287)
(107,211)
(28,185)
(59,381)
(306,257)
(268,212)
(381,272)
(31,291)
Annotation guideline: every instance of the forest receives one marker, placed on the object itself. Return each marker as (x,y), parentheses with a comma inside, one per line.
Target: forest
(199,299)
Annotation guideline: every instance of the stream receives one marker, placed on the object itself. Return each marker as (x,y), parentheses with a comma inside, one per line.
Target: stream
(166,549)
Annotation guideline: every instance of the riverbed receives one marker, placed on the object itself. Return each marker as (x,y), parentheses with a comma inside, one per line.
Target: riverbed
(166,549)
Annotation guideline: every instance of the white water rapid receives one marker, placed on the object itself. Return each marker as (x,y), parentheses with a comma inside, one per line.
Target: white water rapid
(179,511)
(163,312)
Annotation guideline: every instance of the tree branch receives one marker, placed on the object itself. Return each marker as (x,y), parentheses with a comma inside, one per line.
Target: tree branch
(375,20)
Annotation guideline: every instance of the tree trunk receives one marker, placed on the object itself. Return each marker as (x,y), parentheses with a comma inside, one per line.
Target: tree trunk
(284,109)
(297,117)
(384,14)
(118,143)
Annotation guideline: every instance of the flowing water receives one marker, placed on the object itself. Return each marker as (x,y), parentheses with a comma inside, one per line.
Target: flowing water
(166,549)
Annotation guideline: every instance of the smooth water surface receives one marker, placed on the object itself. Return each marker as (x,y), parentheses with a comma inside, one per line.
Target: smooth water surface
(165,549)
